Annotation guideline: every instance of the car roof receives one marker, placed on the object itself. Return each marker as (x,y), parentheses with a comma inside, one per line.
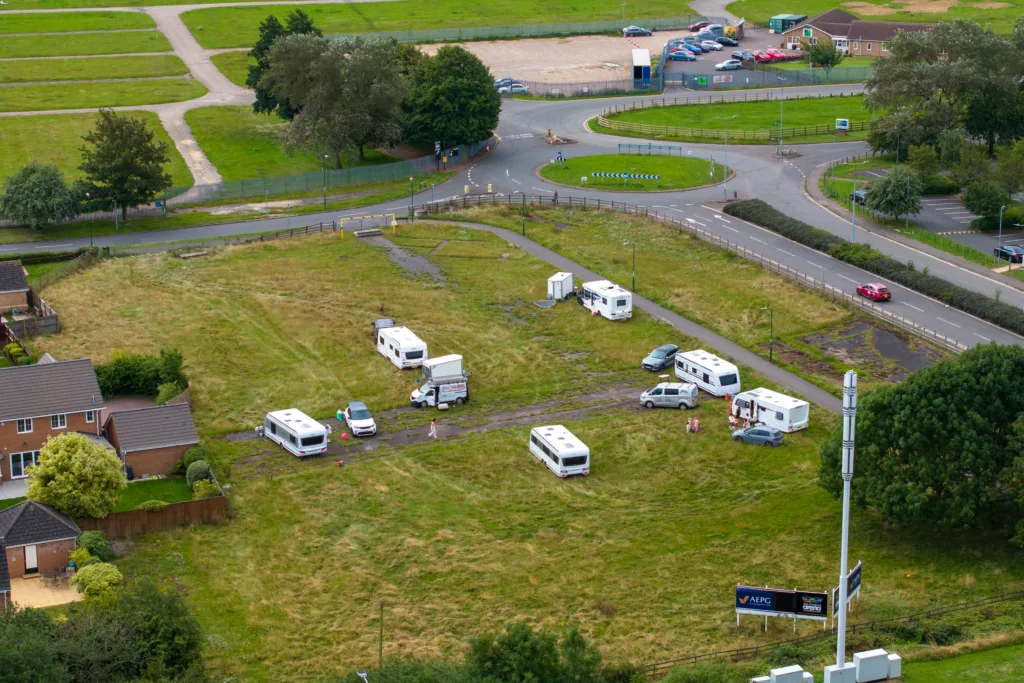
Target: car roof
(672,385)
(666,346)
(357,405)
(1013,247)
(876,285)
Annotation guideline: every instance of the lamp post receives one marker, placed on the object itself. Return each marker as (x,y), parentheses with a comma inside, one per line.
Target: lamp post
(1001,209)
(853,217)
(412,214)
(833,167)
(771,333)
(325,181)
(725,163)
(524,209)
(782,96)
(632,244)
(849,429)
(88,204)
(623,5)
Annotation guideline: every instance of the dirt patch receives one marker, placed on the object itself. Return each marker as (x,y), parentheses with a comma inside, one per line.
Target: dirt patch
(897,348)
(413,264)
(867,9)
(991,5)
(863,344)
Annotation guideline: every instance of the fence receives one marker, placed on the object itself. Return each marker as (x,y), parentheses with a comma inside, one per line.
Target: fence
(817,76)
(650,149)
(590,89)
(134,522)
(73,266)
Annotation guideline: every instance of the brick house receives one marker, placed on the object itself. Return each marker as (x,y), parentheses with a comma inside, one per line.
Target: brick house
(35,538)
(40,401)
(152,440)
(14,290)
(848,33)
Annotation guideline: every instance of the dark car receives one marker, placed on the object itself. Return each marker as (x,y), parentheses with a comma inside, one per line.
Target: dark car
(1009,253)
(637,31)
(699,25)
(381,324)
(662,357)
(743,55)
(759,435)
(726,40)
(859,196)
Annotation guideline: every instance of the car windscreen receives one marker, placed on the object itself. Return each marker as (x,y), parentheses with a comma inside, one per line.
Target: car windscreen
(361,414)
(727,380)
(313,440)
(883,290)
(574,460)
(658,353)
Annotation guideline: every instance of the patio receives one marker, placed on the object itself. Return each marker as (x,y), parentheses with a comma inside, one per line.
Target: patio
(14,488)
(32,592)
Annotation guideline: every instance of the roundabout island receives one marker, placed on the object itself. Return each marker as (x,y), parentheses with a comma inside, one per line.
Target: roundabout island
(633,173)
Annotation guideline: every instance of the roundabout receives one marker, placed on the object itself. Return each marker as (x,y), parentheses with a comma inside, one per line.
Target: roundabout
(634,173)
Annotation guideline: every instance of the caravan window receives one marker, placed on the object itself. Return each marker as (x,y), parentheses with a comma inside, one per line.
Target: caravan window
(313,440)
(575,460)
(412,355)
(291,437)
(743,404)
(778,415)
(621,303)
(543,447)
(396,353)
(273,427)
(727,379)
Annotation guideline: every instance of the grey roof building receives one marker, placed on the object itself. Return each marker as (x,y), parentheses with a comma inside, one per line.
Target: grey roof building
(32,523)
(68,386)
(12,277)
(145,429)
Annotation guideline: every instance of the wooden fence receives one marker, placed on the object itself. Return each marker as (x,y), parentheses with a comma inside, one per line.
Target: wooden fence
(134,522)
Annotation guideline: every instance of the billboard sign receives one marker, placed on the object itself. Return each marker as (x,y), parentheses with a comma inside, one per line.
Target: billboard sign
(853,580)
(755,600)
(727,78)
(772,602)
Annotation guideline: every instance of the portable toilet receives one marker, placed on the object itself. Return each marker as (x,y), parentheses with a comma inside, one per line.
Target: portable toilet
(560,286)
(784,22)
(641,68)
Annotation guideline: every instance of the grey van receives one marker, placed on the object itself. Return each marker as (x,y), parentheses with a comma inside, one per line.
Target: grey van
(681,395)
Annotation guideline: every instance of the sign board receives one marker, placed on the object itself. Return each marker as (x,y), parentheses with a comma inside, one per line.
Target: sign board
(444,159)
(727,78)
(437,146)
(842,124)
(702,80)
(772,602)
(808,33)
(853,580)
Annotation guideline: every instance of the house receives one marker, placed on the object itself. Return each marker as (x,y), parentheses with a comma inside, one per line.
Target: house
(40,401)
(14,290)
(5,581)
(848,33)
(152,440)
(35,538)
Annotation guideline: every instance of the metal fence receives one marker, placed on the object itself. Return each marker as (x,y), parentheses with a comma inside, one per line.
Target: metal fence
(69,267)
(817,75)
(590,89)
(651,150)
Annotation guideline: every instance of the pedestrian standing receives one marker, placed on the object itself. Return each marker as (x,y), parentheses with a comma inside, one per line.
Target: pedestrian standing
(433,430)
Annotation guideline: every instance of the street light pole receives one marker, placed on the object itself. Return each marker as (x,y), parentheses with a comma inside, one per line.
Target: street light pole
(88,203)
(849,429)
(725,163)
(1001,209)
(853,218)
(632,244)
(412,213)
(771,332)
(782,97)
(325,180)
(833,167)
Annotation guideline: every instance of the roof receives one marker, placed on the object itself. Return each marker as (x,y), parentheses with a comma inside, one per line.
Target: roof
(790,17)
(298,421)
(68,386)
(357,405)
(5,576)
(774,397)
(561,438)
(604,287)
(31,522)
(706,359)
(12,277)
(154,427)
(641,57)
(835,22)
(881,30)
(403,335)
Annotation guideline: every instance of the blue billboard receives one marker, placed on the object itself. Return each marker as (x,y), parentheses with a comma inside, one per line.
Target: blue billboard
(751,599)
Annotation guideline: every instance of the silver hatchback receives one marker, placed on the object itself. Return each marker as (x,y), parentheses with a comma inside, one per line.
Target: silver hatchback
(681,395)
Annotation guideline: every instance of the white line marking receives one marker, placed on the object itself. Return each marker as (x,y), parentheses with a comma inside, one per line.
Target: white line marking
(983,337)
(761,241)
(947,322)
(733,229)
(914,307)
(55,245)
(786,252)
(540,189)
(722,219)
(694,220)
(506,174)
(813,264)
(845,278)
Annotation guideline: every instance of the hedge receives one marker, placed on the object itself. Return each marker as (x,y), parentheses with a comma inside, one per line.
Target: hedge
(861,255)
(35,258)
(139,375)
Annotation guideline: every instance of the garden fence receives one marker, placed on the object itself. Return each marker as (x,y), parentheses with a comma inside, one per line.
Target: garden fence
(73,266)
(135,522)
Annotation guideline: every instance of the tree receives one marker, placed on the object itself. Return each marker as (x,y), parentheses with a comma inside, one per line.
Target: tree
(36,195)
(950,143)
(122,162)
(984,198)
(995,111)
(166,634)
(924,160)
(453,100)
(1010,168)
(937,448)
(825,54)
(97,580)
(28,654)
(898,193)
(972,166)
(77,476)
(297,23)
(522,655)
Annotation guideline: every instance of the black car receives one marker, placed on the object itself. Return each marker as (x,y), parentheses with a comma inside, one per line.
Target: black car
(381,324)
(637,31)
(742,55)
(662,357)
(726,40)
(1009,253)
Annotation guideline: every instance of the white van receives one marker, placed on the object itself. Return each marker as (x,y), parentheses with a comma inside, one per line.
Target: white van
(763,406)
(298,433)
(606,298)
(400,346)
(434,394)
(709,372)
(560,450)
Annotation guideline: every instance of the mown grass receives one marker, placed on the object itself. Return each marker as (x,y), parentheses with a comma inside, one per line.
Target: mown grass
(57,138)
(9,502)
(169,490)
(245,145)
(234,65)
(847,63)
(73,69)
(88,95)
(57,22)
(675,172)
(998,665)
(84,44)
(37,270)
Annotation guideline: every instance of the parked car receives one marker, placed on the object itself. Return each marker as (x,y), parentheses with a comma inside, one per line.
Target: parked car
(699,25)
(680,395)
(759,435)
(662,357)
(504,82)
(742,55)
(729,65)
(514,89)
(682,56)
(710,45)
(761,57)
(859,196)
(637,31)
(692,49)
(706,35)
(381,324)
(1009,253)
(777,54)
(359,420)
(874,291)
(726,40)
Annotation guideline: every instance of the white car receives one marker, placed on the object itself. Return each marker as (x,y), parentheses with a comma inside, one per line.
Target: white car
(729,65)
(359,420)
(711,45)
(513,89)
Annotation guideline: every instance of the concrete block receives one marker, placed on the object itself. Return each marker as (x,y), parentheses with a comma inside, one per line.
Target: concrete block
(761,679)
(840,674)
(787,674)
(895,666)
(872,665)
(808,677)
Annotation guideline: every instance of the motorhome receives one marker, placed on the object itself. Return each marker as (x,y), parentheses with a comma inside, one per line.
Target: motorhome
(607,299)
(296,432)
(709,372)
(444,381)
(763,406)
(560,286)
(400,346)
(560,451)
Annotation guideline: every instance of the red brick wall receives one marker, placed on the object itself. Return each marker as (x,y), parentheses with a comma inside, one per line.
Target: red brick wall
(13,442)
(155,461)
(53,555)
(17,300)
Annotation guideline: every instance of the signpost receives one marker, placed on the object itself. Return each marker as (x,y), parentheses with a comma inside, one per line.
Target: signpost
(853,580)
(775,602)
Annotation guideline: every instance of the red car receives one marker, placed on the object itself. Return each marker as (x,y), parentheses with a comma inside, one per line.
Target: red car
(761,57)
(699,25)
(874,291)
(777,54)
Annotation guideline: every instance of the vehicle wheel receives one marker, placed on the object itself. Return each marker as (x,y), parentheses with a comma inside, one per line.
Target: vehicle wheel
(649,404)
(683,406)
(459,401)
(421,405)
(738,439)
(769,444)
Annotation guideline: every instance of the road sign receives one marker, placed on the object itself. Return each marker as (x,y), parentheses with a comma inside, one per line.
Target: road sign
(437,146)
(627,176)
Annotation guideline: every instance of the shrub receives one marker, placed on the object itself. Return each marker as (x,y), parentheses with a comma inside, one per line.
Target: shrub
(83,558)
(939,184)
(205,488)
(198,470)
(78,477)
(137,374)
(96,543)
(193,454)
(151,506)
(165,392)
(97,580)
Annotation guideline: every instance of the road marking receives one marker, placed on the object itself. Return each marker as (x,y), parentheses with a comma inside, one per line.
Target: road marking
(540,189)
(722,219)
(947,322)
(506,174)
(733,229)
(914,307)
(757,240)
(877,175)
(786,252)
(983,337)
(55,245)
(813,264)
(694,220)
(845,278)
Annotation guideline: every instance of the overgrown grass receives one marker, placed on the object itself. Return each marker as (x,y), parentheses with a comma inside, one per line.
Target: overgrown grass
(234,65)
(88,95)
(998,665)
(56,22)
(169,490)
(675,172)
(73,69)
(83,44)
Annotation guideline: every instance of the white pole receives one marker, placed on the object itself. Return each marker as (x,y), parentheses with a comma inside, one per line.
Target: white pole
(849,429)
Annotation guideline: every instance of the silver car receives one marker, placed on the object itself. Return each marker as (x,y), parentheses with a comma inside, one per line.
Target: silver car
(662,357)
(759,435)
(681,395)
(711,44)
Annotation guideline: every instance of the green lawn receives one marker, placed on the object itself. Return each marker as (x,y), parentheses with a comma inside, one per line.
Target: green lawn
(84,44)
(675,172)
(998,665)
(169,490)
(39,269)
(88,95)
(848,63)
(73,69)
(234,65)
(57,22)
(8,502)
(56,139)
(244,145)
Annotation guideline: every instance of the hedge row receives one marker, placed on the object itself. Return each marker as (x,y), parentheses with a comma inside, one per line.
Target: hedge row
(861,255)
(35,258)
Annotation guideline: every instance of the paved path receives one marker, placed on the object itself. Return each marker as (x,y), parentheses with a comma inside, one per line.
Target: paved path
(712,8)
(184,8)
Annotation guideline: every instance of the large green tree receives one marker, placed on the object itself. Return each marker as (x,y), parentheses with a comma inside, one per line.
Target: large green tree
(897,194)
(824,54)
(123,162)
(453,100)
(37,196)
(77,476)
(985,197)
(27,653)
(296,23)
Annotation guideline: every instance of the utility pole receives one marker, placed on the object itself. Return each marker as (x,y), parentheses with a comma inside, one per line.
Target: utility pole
(325,180)
(853,219)
(782,96)
(849,433)
(771,332)
(725,163)
(412,212)
(632,244)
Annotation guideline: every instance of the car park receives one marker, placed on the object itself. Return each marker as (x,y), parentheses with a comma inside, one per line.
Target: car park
(759,435)
(696,48)
(706,35)
(742,55)
(726,40)
(699,25)
(514,89)
(710,45)
(660,358)
(636,31)
(359,420)
(874,291)
(682,56)
(729,65)
(1009,253)
(677,395)
(778,55)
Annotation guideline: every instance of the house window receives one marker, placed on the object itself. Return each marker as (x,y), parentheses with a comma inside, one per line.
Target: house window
(19,461)
(869,47)
(813,41)
(856,45)
(90,417)
(58,421)
(25,426)
(885,47)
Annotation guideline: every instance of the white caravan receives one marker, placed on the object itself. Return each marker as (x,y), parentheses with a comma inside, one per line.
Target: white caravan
(560,451)
(709,372)
(763,406)
(400,346)
(607,299)
(298,433)
(560,286)
(444,381)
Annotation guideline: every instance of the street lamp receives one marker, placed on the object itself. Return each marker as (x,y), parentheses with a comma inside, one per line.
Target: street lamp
(771,332)
(853,217)
(524,209)
(623,11)
(632,244)
(325,181)
(1001,209)
(833,168)
(782,96)
(725,163)
(412,213)
(88,204)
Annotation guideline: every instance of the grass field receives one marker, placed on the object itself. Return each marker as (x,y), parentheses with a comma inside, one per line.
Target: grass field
(84,44)
(72,69)
(755,117)
(8,502)
(88,95)
(675,172)
(848,63)
(56,22)
(169,490)
(234,65)
(244,145)
(56,139)
(998,665)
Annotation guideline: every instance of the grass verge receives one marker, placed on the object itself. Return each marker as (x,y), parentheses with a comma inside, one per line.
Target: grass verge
(169,490)
(84,44)
(88,95)
(9,502)
(234,65)
(847,63)
(998,665)
(57,22)
(676,172)
(73,69)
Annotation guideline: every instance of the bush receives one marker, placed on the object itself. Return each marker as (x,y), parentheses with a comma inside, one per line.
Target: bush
(939,184)
(193,454)
(151,506)
(1004,315)
(77,476)
(96,543)
(83,558)
(140,375)
(198,470)
(97,580)
(165,392)
(205,488)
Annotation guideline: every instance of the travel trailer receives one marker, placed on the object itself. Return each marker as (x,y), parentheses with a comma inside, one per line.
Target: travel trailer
(607,299)
(763,406)
(296,432)
(560,451)
(709,372)
(400,346)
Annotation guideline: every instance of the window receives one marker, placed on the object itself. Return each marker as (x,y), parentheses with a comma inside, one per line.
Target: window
(90,416)
(291,437)
(273,427)
(25,426)
(656,392)
(58,421)
(621,303)
(728,379)
(313,440)
(808,33)
(856,45)
(19,461)
(778,416)
(671,392)
(574,461)
(396,354)
(413,355)
(885,47)
(604,301)
(813,41)
(869,47)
